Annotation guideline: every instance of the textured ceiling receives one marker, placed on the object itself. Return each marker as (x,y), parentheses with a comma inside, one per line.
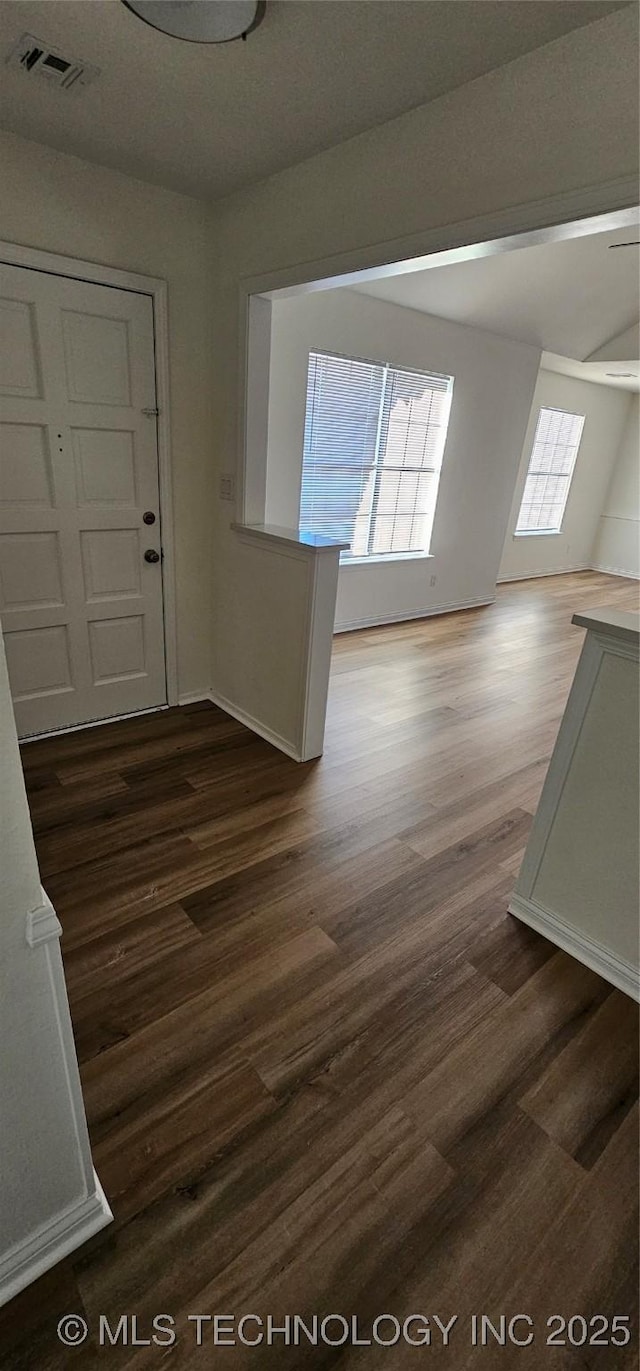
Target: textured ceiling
(209,119)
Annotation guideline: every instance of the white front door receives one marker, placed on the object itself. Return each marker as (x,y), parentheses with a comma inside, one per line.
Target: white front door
(80,587)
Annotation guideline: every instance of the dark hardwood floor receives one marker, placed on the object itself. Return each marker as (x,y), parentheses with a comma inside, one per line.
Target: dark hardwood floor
(324,1071)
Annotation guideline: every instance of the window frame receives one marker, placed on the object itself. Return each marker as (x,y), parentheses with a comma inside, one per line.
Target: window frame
(378,468)
(551,532)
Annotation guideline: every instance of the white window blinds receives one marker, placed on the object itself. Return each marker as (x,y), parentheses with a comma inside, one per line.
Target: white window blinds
(374,438)
(553,458)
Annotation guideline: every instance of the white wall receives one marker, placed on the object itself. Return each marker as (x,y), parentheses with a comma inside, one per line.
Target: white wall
(606,410)
(64,205)
(493,385)
(562,118)
(617,545)
(46,1177)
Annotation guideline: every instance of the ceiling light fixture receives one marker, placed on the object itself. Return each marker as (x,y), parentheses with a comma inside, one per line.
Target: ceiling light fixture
(200,21)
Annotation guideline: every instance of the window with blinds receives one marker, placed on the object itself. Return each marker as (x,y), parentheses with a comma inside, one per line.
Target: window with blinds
(374,438)
(553,458)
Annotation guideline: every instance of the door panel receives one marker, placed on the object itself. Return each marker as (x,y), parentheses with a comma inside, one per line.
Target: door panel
(25,469)
(19,367)
(39,661)
(111,563)
(30,574)
(117,648)
(81,609)
(105,466)
(98,366)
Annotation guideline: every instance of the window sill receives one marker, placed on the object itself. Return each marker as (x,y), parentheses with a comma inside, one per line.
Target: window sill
(538,533)
(385,558)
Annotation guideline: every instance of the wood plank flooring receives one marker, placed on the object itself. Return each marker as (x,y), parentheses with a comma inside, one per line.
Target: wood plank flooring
(324,1071)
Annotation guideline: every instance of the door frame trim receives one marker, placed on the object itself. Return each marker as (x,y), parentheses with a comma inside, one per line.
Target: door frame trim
(96,273)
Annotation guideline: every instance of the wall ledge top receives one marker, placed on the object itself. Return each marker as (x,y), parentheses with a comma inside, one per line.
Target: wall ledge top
(292,537)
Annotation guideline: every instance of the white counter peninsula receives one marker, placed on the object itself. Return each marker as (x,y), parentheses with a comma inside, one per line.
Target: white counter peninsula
(579,882)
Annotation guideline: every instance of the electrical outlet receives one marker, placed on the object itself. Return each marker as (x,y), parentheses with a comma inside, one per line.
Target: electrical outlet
(432,580)
(227,487)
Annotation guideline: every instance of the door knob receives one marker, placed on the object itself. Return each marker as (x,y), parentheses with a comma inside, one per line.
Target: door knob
(148,517)
(151,555)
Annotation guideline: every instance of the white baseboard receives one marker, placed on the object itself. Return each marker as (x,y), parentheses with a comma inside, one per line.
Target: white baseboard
(620,973)
(276,740)
(615,571)
(402,615)
(282,744)
(194,697)
(43,1249)
(537,575)
(43,923)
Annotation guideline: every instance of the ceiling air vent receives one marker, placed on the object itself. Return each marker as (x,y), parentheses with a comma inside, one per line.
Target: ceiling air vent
(39,59)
